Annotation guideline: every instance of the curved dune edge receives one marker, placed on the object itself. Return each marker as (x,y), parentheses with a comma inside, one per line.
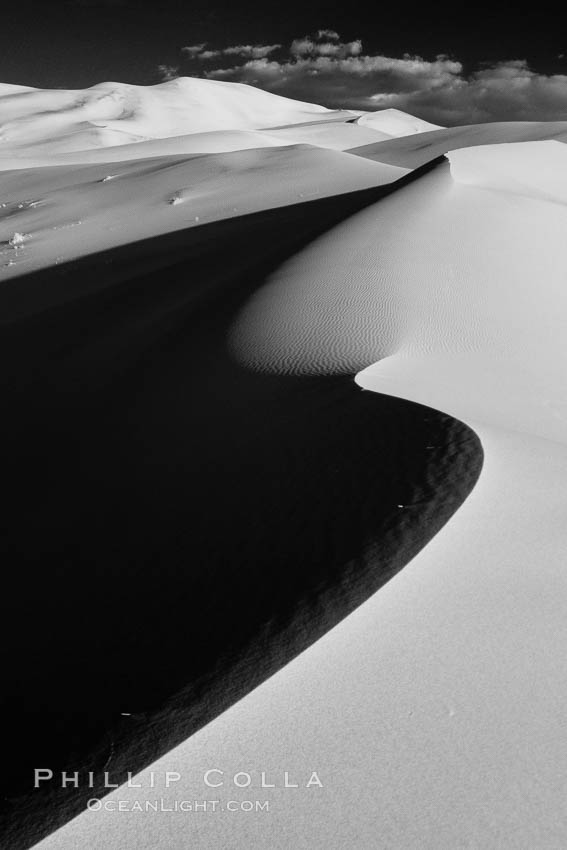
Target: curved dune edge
(136,381)
(412,151)
(63,212)
(434,713)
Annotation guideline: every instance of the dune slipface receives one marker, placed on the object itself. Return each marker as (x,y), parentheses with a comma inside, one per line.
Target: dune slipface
(451,677)
(180,510)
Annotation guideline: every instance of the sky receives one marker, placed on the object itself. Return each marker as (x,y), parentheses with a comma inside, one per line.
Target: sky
(448,63)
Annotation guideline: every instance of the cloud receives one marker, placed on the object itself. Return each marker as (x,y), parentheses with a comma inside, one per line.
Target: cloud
(167,72)
(328,34)
(308,47)
(246,51)
(323,69)
(251,51)
(505,91)
(193,50)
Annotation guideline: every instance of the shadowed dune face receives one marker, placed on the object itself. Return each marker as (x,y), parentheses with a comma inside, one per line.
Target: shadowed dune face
(192,524)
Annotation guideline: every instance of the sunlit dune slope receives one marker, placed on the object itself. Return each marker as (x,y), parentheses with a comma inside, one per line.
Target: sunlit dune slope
(395,123)
(448,270)
(413,151)
(50,215)
(116,113)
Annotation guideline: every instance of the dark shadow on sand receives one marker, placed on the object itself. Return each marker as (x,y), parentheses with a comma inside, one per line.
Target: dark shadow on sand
(176,527)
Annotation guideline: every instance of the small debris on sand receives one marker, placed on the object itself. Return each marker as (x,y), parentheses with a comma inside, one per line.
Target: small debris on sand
(18,240)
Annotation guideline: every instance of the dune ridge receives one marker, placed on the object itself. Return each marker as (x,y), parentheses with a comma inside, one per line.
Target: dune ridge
(413,151)
(107,114)
(127,350)
(395,123)
(63,212)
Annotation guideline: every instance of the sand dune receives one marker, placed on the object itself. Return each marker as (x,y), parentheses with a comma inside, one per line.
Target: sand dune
(452,677)
(332,135)
(36,123)
(394,122)
(473,694)
(217,141)
(236,541)
(115,113)
(412,151)
(307,320)
(54,214)
(335,135)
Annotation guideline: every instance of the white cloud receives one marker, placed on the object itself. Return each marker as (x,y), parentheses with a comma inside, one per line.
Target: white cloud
(340,75)
(331,35)
(251,51)
(167,72)
(193,50)
(308,47)
(246,51)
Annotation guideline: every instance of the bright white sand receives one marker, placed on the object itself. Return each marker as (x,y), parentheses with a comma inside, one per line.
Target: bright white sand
(434,714)
(332,135)
(217,141)
(65,212)
(336,135)
(59,121)
(394,122)
(414,150)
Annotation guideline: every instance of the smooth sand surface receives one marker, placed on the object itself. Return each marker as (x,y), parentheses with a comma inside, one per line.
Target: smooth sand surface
(64,212)
(217,141)
(394,122)
(412,151)
(433,714)
(59,121)
(335,135)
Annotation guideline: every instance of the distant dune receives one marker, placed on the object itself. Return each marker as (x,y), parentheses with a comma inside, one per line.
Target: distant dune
(109,114)
(217,141)
(394,122)
(336,135)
